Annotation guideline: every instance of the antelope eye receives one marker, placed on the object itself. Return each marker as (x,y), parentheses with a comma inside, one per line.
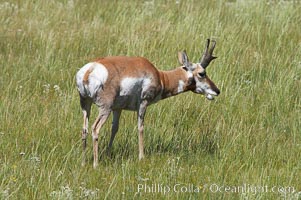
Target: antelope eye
(202,74)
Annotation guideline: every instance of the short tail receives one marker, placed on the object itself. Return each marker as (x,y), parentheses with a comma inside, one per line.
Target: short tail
(82,81)
(86,81)
(86,88)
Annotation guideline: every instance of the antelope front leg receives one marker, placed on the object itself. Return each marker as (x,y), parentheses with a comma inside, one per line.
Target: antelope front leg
(141,114)
(101,119)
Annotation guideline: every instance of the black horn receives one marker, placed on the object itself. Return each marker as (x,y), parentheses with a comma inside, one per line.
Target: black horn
(207,55)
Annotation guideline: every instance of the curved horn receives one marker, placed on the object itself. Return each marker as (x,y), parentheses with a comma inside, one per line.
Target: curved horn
(207,55)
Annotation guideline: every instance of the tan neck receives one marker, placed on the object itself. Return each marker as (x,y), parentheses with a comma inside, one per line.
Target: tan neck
(174,82)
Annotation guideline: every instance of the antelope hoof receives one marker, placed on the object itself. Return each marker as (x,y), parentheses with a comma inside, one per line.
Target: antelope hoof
(141,156)
(95,165)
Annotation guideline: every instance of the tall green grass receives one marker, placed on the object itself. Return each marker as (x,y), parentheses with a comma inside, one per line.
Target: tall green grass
(249,135)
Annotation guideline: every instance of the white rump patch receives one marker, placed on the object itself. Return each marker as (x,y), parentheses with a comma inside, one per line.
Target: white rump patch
(97,78)
(181,86)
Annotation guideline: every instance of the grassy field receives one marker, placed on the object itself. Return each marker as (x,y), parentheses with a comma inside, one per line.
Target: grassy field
(244,145)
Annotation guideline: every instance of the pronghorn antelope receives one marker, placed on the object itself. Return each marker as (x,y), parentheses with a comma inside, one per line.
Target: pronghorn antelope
(117,83)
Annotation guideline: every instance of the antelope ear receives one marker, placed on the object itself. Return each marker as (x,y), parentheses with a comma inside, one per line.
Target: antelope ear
(183,59)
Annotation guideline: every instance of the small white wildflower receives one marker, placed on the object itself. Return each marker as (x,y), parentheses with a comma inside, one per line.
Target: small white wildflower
(88,192)
(56,87)
(35,159)
(46,88)
(8,6)
(53,194)
(58,90)
(67,191)
(248,82)
(4,193)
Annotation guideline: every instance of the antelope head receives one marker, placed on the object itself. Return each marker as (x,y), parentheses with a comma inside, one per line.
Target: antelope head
(199,81)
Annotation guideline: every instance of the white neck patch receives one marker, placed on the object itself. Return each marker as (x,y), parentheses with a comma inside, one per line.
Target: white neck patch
(181,85)
(189,74)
